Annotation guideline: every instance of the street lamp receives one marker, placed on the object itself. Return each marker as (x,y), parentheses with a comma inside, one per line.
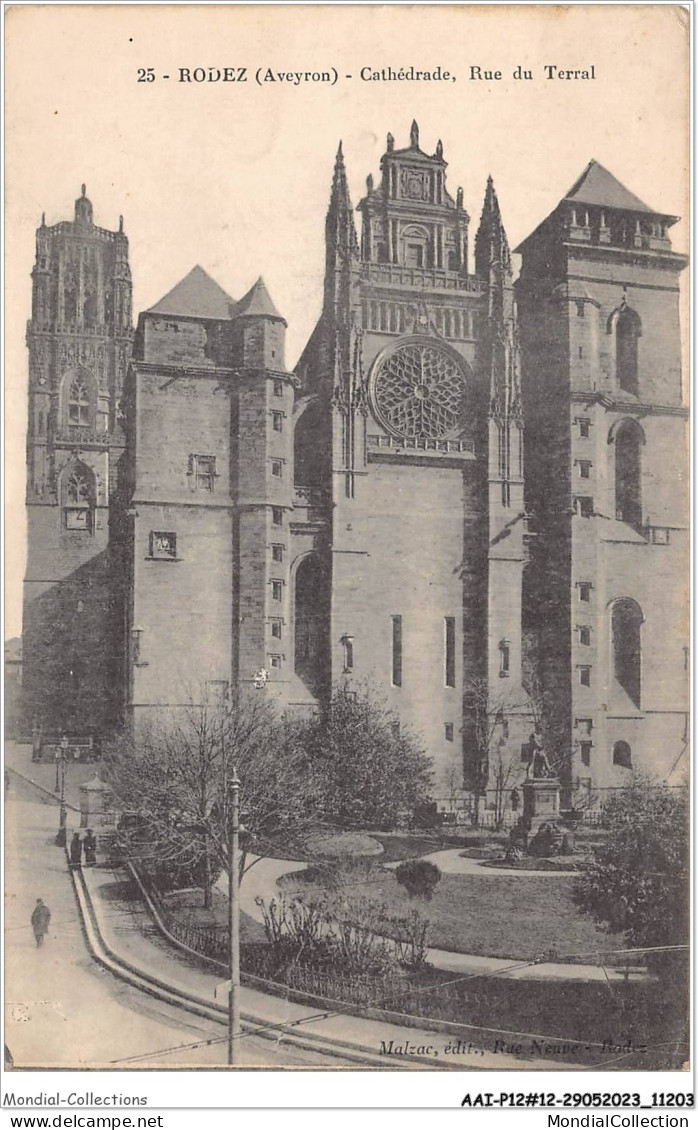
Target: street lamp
(61,758)
(234,910)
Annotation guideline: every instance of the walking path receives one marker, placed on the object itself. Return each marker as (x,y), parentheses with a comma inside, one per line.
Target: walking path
(451,862)
(261,882)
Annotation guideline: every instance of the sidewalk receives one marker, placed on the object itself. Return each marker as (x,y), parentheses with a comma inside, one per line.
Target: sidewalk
(18,760)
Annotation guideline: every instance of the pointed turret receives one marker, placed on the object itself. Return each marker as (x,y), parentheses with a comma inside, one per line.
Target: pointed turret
(259,330)
(414,135)
(492,254)
(257,303)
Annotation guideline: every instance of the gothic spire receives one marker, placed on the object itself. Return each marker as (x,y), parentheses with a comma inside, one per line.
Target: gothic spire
(492,255)
(340,229)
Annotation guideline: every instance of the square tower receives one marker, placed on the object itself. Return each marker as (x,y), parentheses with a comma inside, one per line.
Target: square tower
(606,482)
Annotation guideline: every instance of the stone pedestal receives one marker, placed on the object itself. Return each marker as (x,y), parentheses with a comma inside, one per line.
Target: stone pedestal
(541,802)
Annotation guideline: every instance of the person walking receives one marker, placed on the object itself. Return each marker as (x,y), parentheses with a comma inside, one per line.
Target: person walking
(76,850)
(90,845)
(41,916)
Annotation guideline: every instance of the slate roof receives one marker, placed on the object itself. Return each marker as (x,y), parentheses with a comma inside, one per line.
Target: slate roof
(197,296)
(258,302)
(597,186)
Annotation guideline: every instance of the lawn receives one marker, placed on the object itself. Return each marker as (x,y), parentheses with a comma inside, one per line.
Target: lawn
(186,907)
(518,917)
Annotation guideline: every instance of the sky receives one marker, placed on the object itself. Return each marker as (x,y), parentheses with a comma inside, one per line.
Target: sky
(235,176)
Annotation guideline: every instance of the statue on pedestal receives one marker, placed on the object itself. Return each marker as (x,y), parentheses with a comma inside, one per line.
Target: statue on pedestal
(538,764)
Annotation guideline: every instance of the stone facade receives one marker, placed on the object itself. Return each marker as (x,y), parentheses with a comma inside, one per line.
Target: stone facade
(409,508)
(79,340)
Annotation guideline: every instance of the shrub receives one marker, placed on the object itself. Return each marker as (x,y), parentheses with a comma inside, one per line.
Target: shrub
(419,877)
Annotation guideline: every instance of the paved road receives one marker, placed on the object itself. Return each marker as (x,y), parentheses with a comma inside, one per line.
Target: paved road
(64,1010)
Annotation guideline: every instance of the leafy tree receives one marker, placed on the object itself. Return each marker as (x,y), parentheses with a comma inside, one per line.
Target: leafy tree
(637,882)
(419,877)
(368,771)
(176,780)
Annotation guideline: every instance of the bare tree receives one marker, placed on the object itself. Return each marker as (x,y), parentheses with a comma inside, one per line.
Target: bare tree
(487,725)
(177,778)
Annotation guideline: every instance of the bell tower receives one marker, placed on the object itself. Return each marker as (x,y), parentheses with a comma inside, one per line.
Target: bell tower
(79,341)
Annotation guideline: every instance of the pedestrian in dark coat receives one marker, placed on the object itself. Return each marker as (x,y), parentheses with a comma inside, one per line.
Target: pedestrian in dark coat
(41,916)
(76,850)
(90,845)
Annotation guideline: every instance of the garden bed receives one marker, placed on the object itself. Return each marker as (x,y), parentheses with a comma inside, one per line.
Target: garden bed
(185,908)
(531,863)
(507,916)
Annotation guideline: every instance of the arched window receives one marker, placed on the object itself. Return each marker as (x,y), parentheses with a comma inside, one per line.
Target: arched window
(628,440)
(79,408)
(628,330)
(310,450)
(622,755)
(415,246)
(626,627)
(78,403)
(78,498)
(311,659)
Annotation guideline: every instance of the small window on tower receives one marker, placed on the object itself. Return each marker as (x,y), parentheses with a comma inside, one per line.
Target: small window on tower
(203,469)
(584,675)
(450,650)
(163,546)
(277,421)
(448,731)
(584,506)
(277,589)
(276,629)
(622,755)
(278,388)
(79,500)
(504,659)
(79,412)
(584,426)
(584,468)
(584,635)
(580,309)
(584,588)
(585,750)
(586,725)
(276,468)
(277,552)
(277,516)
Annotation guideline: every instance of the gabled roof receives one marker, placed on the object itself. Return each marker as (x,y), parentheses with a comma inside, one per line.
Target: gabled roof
(597,186)
(416,154)
(196,296)
(257,303)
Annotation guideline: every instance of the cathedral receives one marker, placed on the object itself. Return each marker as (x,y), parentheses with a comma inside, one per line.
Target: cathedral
(470,493)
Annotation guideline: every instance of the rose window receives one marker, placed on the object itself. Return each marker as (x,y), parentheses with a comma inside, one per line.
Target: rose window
(419,390)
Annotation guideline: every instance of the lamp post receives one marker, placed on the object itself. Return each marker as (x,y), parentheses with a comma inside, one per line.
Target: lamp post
(234,910)
(61,758)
